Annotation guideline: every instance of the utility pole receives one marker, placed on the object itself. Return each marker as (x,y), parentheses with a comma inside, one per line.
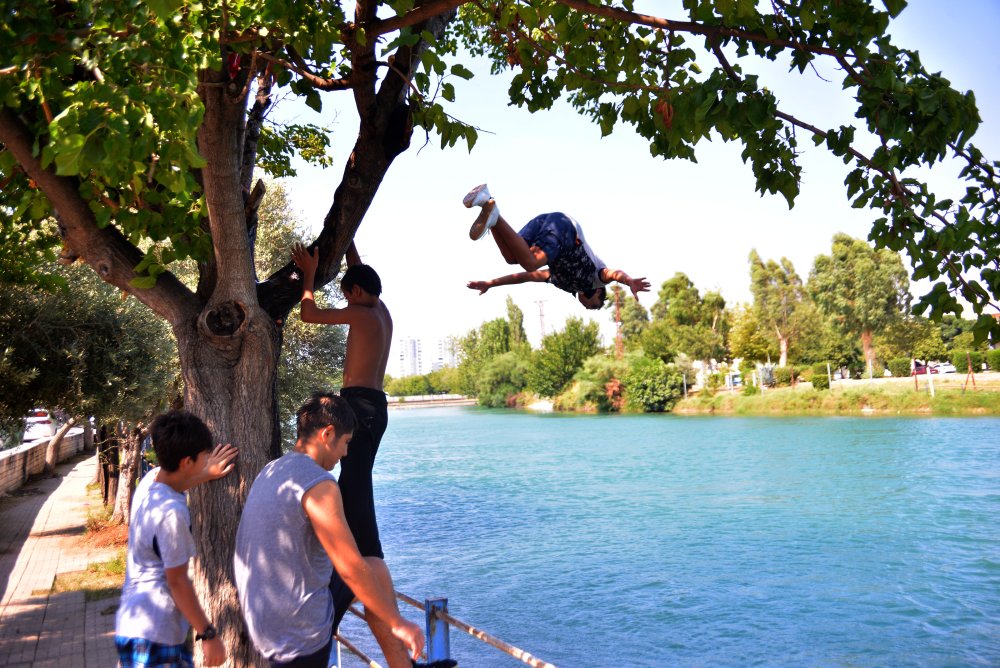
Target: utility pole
(541,314)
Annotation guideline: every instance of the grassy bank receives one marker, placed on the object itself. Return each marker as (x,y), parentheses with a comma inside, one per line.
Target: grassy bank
(881,397)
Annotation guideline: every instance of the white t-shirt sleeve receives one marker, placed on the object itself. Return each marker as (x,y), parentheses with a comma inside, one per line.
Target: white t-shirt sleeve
(598,262)
(173,535)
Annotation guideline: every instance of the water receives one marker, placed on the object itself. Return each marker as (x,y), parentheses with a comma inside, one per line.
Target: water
(681,541)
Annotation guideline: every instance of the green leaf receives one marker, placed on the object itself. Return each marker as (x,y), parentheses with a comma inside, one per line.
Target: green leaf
(894,6)
(68,154)
(461,71)
(165,9)
(143,282)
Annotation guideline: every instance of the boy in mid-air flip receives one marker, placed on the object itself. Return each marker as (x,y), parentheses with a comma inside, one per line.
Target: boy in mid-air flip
(552,239)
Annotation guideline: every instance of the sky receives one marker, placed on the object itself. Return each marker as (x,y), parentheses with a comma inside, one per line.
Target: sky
(644,215)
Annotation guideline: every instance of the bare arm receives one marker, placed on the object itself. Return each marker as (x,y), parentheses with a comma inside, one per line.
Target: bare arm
(308,262)
(325,510)
(539,275)
(352,255)
(637,285)
(182,591)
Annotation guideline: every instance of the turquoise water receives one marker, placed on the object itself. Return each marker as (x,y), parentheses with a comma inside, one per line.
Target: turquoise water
(681,541)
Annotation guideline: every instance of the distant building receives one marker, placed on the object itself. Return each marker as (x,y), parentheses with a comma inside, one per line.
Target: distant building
(409,357)
(442,355)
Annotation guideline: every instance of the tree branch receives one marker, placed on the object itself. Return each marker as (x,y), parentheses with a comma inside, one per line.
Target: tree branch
(110,254)
(413,17)
(316,80)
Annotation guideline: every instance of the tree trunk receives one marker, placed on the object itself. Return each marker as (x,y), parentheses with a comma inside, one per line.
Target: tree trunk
(52,450)
(129,456)
(232,388)
(109,464)
(869,350)
(88,435)
(783,347)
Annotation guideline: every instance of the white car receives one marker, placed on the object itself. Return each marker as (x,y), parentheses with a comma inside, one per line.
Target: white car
(39,423)
(946,367)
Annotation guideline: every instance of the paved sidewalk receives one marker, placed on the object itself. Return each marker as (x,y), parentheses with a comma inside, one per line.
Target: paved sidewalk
(40,525)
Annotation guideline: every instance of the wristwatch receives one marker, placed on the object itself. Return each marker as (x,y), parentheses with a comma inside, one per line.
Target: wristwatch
(208,634)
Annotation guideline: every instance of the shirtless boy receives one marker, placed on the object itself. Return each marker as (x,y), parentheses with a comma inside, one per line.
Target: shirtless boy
(368,339)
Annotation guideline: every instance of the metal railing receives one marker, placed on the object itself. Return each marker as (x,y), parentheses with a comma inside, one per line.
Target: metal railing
(438,624)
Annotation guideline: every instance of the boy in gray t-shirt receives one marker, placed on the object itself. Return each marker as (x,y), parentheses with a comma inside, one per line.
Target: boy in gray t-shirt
(292,536)
(158,601)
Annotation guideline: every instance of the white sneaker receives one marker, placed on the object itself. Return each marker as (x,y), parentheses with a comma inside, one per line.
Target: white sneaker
(478,196)
(487,219)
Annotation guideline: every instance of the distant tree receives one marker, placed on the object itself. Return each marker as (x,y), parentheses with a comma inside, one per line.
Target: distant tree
(562,353)
(863,289)
(409,386)
(477,348)
(747,339)
(634,316)
(685,322)
(651,385)
(502,377)
(778,295)
(911,337)
(515,319)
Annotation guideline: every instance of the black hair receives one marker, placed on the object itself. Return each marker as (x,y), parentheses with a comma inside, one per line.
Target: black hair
(176,435)
(323,409)
(591,292)
(363,276)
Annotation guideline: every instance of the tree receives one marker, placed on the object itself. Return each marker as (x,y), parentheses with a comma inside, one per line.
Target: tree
(561,356)
(477,348)
(864,289)
(747,339)
(778,294)
(501,378)
(515,319)
(131,122)
(912,337)
(685,322)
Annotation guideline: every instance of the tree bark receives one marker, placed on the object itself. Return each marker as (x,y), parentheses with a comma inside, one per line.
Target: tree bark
(88,435)
(52,449)
(783,347)
(129,457)
(869,350)
(109,463)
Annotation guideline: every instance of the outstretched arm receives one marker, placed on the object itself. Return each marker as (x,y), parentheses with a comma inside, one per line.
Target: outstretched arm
(352,255)
(539,275)
(325,509)
(637,285)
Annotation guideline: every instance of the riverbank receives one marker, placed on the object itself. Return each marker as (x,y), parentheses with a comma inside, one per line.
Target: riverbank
(885,396)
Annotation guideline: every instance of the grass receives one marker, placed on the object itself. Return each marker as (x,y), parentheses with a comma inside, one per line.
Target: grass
(99,581)
(882,397)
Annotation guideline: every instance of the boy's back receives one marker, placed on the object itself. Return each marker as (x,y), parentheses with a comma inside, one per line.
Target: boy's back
(159,538)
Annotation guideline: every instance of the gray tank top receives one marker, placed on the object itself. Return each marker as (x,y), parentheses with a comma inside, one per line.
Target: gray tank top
(282,571)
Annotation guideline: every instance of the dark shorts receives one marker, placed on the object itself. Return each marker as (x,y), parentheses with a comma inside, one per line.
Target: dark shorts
(140,653)
(320,659)
(355,480)
(552,232)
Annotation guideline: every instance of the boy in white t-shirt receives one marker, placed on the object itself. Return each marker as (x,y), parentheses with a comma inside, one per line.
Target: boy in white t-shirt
(158,602)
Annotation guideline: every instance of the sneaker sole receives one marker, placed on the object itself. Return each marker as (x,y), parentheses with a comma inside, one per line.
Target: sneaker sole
(483,223)
(478,196)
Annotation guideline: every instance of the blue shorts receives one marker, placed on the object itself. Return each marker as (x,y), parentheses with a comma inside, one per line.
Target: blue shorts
(552,232)
(142,653)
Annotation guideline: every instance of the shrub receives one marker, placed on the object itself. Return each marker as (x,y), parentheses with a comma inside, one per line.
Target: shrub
(820,380)
(961,360)
(993,359)
(899,367)
(651,385)
(715,381)
(784,375)
(878,369)
(819,368)
(806,372)
(500,378)
(750,390)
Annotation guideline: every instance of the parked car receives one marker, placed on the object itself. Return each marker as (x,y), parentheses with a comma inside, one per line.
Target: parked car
(947,367)
(921,370)
(38,423)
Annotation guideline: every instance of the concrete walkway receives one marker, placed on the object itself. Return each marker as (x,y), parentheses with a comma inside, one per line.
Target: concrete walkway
(40,527)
